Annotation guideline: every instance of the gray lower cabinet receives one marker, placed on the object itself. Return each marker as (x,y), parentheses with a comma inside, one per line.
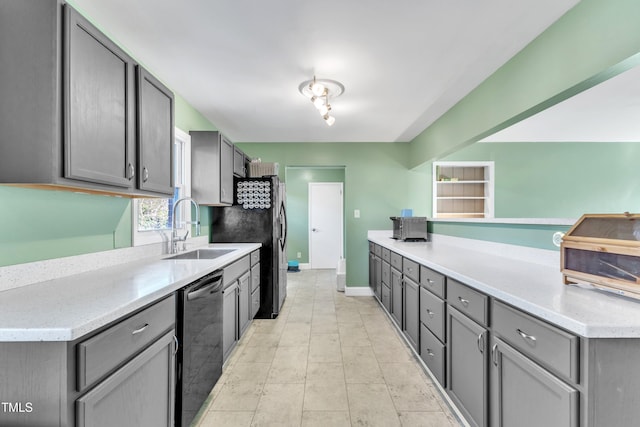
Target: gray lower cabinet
(140,394)
(467,367)
(244,303)
(397,300)
(412,312)
(523,394)
(229,319)
(386,297)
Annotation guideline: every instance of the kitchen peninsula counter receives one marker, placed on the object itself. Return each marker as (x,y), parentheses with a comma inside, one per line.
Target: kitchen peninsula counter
(528,279)
(68,308)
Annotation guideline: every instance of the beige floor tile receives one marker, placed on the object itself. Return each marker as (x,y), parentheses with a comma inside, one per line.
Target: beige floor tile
(325,396)
(425,419)
(353,335)
(325,348)
(237,397)
(330,372)
(289,365)
(295,334)
(371,405)
(326,419)
(280,406)
(227,419)
(402,373)
(259,339)
(248,372)
(413,397)
(255,354)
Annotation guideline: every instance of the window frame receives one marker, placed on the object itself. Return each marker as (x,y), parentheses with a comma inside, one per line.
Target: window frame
(147,237)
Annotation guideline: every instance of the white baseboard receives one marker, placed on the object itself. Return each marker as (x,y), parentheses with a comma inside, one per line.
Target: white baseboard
(358,291)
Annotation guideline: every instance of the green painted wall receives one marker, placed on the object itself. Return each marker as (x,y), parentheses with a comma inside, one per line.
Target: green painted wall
(376,179)
(297,180)
(593,41)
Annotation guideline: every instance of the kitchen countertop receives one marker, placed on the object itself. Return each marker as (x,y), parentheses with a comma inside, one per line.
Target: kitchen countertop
(67,308)
(533,287)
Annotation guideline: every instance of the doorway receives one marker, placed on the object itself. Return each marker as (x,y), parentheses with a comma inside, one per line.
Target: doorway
(326,224)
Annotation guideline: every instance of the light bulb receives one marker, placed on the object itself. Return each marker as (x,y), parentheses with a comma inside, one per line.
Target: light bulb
(330,120)
(318,102)
(317,88)
(323,110)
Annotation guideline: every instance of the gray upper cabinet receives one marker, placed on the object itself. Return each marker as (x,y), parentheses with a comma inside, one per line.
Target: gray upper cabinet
(211,168)
(99,111)
(239,169)
(69,107)
(155,134)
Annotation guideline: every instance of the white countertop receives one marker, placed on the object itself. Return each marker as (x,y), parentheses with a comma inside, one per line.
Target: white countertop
(67,308)
(534,287)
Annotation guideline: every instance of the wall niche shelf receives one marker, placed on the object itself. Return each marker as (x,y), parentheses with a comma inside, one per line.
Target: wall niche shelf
(463,189)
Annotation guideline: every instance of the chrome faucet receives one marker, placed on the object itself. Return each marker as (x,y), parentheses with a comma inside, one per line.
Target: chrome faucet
(174,232)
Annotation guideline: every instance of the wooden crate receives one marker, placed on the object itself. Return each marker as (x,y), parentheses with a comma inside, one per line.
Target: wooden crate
(604,250)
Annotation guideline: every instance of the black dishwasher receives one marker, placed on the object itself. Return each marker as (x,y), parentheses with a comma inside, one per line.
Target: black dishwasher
(199,355)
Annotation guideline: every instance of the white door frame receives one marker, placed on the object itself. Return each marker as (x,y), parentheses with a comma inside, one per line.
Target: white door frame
(341,208)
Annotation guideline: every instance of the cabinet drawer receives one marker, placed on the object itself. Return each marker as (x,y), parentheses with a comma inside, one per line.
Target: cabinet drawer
(432,313)
(372,247)
(386,273)
(235,270)
(396,261)
(411,269)
(104,352)
(386,255)
(255,277)
(378,250)
(255,257)
(432,351)
(544,343)
(469,301)
(255,302)
(433,281)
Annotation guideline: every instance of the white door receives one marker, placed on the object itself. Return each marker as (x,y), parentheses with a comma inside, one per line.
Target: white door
(325,224)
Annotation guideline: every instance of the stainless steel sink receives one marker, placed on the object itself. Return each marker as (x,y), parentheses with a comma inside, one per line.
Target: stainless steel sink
(202,254)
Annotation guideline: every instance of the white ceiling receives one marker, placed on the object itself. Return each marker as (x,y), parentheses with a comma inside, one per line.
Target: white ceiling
(608,112)
(403,63)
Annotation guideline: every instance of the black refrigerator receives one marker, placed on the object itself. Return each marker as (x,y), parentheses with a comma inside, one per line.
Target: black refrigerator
(258,215)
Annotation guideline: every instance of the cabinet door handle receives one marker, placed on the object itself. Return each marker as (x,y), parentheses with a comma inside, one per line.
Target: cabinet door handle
(145,174)
(140,329)
(175,340)
(481,342)
(430,313)
(132,171)
(494,354)
(430,353)
(464,302)
(526,336)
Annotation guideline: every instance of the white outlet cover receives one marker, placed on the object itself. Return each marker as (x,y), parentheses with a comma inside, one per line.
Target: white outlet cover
(356,213)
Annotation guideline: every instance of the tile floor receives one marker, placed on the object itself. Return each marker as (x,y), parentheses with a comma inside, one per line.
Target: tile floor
(327,360)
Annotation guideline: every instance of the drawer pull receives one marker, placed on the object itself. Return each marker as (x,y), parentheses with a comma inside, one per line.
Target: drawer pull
(430,353)
(429,281)
(140,329)
(430,313)
(463,301)
(526,336)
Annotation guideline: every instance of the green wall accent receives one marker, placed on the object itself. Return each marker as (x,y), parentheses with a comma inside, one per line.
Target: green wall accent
(188,118)
(376,182)
(297,180)
(42,224)
(593,41)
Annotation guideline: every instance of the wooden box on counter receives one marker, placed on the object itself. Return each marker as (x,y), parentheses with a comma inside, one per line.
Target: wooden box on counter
(604,251)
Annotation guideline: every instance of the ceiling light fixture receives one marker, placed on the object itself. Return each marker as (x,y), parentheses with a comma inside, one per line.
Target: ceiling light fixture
(319,91)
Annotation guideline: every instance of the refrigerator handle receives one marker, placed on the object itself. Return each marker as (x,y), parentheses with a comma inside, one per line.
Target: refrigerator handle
(283,225)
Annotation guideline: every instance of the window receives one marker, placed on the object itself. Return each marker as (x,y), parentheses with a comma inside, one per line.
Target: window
(152,217)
